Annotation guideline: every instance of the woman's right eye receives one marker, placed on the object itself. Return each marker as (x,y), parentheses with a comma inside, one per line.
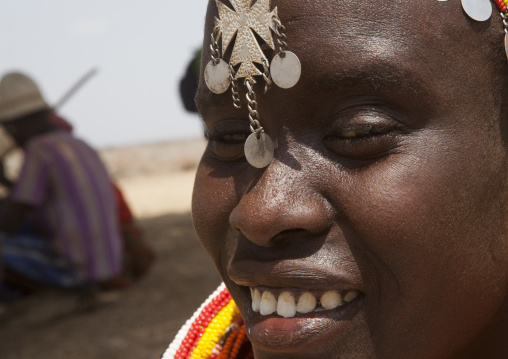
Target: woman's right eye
(364,134)
(226,140)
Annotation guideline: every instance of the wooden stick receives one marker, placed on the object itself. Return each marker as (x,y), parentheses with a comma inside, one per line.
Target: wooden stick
(82,80)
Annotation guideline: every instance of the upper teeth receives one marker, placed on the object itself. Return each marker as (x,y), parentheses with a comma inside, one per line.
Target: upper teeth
(287,306)
(330,300)
(306,303)
(268,304)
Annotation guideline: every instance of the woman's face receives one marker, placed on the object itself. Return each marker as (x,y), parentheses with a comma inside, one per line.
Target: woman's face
(388,181)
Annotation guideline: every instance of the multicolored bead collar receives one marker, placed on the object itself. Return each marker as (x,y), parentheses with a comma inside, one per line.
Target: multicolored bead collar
(215,331)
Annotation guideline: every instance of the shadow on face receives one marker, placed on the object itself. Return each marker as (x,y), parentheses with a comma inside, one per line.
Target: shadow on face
(24,128)
(389,179)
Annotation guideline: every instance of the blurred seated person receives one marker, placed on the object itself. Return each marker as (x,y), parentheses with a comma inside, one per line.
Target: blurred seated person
(138,257)
(60,226)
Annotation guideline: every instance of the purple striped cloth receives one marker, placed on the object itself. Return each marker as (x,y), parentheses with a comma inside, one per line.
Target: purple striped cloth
(64,178)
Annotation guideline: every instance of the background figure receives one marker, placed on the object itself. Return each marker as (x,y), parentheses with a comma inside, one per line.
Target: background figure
(138,257)
(189,83)
(60,226)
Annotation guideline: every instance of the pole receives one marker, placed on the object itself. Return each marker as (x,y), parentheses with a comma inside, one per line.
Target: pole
(82,80)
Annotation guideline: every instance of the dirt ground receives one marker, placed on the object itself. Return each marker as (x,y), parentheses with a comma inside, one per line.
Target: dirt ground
(139,325)
(146,316)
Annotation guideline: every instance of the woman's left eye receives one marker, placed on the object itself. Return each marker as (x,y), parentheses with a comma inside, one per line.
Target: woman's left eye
(234,138)
(362,130)
(363,135)
(226,140)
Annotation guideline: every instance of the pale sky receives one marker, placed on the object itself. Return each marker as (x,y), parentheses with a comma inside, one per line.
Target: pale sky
(141,49)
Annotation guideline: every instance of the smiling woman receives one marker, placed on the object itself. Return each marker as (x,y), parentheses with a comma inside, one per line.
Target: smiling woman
(379,228)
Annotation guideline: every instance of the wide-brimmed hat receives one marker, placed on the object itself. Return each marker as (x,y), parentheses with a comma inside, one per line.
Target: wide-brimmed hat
(19,96)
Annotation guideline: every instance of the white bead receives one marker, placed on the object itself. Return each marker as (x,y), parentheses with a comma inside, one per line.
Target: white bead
(182,333)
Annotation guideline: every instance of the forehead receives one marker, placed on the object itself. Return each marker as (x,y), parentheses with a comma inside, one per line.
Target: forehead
(432,43)
(385,18)
(425,32)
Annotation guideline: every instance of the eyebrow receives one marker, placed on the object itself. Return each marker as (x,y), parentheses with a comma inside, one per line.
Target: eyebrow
(376,76)
(206,99)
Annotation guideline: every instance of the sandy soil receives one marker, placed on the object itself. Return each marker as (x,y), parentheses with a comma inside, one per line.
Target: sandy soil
(157,180)
(155,195)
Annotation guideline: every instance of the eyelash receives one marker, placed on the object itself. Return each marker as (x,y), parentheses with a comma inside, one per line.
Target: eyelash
(227,145)
(223,138)
(365,130)
(370,140)
(360,134)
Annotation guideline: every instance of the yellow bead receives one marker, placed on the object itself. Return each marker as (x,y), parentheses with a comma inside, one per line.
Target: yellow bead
(215,331)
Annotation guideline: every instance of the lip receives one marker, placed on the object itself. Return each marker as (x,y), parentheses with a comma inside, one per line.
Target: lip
(293,274)
(278,334)
(298,334)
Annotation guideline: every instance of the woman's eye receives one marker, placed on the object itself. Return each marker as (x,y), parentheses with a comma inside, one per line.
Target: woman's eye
(364,136)
(361,130)
(234,138)
(226,140)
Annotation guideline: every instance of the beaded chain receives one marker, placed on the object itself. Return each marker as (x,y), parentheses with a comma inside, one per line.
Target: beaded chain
(215,331)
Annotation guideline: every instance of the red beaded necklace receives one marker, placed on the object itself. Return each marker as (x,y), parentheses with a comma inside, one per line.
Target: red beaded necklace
(216,331)
(501,4)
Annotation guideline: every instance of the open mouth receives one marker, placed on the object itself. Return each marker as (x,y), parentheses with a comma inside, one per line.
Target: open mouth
(288,303)
(287,319)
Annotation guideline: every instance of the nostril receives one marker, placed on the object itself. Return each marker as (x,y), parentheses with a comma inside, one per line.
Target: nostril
(276,225)
(259,237)
(287,234)
(279,208)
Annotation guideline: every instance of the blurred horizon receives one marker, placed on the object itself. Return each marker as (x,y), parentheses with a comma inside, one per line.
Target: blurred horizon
(140,49)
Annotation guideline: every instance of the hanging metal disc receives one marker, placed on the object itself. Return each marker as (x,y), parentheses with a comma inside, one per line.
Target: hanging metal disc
(286,70)
(479,10)
(217,76)
(259,151)
(506,44)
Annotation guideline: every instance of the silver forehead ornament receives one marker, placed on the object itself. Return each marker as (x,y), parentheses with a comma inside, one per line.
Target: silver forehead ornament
(245,21)
(479,10)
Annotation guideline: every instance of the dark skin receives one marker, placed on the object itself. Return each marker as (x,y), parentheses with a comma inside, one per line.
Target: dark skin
(22,130)
(389,177)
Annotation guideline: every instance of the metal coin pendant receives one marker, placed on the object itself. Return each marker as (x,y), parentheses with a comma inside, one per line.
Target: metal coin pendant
(506,44)
(479,10)
(259,151)
(286,70)
(217,76)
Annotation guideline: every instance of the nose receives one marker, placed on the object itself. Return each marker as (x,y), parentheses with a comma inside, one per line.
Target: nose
(282,201)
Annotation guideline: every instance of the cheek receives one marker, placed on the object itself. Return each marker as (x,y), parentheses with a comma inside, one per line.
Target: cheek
(437,217)
(213,200)
(436,224)
(446,198)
